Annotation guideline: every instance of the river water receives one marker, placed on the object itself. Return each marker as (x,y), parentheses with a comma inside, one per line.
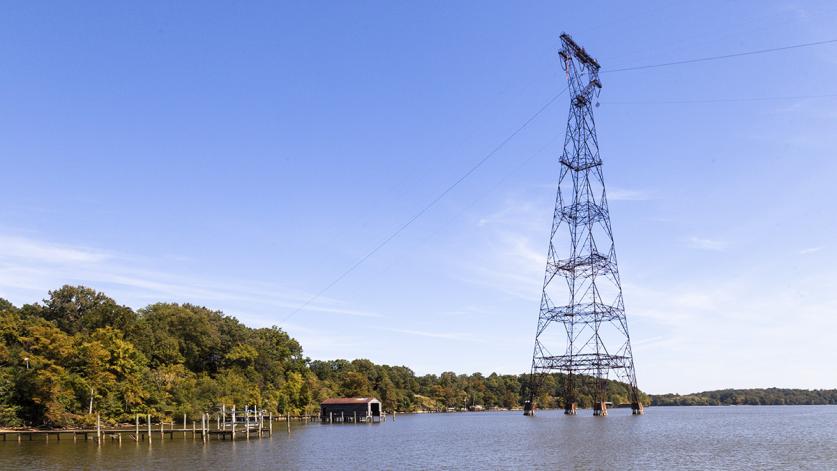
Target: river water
(694,438)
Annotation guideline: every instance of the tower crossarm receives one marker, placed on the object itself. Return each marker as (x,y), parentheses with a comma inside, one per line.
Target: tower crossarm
(583,212)
(586,265)
(580,164)
(570,47)
(583,313)
(583,363)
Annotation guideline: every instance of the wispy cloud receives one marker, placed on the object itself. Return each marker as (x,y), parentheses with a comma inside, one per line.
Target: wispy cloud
(810,250)
(513,266)
(436,335)
(625,194)
(31,266)
(28,249)
(701,243)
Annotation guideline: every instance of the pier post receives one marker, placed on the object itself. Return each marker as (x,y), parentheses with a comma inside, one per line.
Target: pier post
(233,422)
(136,422)
(270,424)
(194,430)
(98,429)
(161,428)
(184,426)
(247,422)
(148,422)
(224,416)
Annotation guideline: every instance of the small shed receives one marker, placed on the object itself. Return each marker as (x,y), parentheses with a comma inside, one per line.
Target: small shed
(349,409)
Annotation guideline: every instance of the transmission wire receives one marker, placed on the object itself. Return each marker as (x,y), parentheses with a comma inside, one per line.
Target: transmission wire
(724,56)
(432,203)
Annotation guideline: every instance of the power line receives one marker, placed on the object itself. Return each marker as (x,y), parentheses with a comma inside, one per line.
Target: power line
(432,203)
(724,56)
(505,141)
(717,100)
(484,194)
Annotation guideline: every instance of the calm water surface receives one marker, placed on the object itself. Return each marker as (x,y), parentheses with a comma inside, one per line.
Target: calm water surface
(791,437)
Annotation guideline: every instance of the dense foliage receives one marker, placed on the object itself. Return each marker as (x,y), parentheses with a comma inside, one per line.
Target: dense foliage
(79,353)
(752,397)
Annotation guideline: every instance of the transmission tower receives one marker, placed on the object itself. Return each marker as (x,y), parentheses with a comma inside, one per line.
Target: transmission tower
(582,330)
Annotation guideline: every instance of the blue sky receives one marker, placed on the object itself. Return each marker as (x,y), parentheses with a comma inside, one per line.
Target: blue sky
(242,155)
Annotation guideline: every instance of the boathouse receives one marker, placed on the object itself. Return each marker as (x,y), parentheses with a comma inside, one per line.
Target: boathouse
(350,409)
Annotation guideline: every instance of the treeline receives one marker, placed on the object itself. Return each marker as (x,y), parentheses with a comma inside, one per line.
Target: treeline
(400,389)
(79,353)
(751,397)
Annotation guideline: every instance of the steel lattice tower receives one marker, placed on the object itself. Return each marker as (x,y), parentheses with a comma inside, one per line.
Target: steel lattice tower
(582,330)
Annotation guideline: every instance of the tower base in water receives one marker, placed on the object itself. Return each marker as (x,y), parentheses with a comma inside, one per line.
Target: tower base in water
(600,409)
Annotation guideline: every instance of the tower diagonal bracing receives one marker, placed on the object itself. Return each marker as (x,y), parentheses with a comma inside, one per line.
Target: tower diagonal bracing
(582,330)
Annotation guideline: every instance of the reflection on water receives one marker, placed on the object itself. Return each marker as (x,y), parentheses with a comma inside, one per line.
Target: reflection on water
(766,437)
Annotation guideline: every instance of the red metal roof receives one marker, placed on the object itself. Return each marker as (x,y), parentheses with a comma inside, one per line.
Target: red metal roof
(350,400)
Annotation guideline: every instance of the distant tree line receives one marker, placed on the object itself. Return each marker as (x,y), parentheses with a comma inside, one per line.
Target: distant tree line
(78,353)
(751,397)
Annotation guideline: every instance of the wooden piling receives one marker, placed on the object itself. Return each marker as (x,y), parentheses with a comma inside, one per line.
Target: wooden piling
(247,422)
(233,422)
(98,429)
(270,424)
(289,422)
(148,423)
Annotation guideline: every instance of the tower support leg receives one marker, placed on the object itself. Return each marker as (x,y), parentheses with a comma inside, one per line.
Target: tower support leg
(571,408)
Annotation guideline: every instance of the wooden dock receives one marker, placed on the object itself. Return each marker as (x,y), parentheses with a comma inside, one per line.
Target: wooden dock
(130,434)
(227,426)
